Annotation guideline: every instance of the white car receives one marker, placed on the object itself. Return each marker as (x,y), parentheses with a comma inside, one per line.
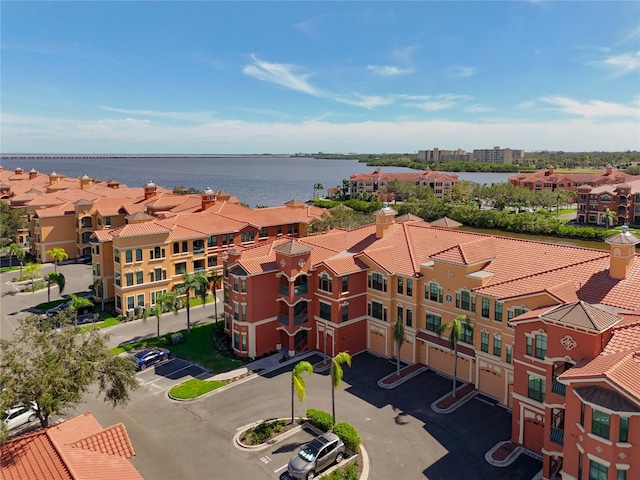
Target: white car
(18,416)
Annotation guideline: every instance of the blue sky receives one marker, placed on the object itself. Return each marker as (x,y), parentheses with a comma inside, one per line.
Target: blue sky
(257,77)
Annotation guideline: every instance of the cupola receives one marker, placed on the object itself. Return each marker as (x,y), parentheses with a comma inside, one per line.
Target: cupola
(385,219)
(623,253)
(33,173)
(150,190)
(208,198)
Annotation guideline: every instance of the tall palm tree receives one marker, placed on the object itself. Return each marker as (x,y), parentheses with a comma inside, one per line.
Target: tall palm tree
(610,217)
(455,328)
(398,336)
(297,383)
(316,188)
(336,373)
(215,278)
(55,278)
(58,254)
(190,282)
(166,301)
(15,249)
(33,270)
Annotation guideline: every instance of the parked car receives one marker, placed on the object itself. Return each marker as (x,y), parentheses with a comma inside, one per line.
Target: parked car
(19,415)
(315,456)
(58,308)
(149,356)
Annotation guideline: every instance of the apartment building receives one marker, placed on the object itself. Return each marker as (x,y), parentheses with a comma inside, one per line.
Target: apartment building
(149,255)
(551,180)
(536,310)
(623,199)
(377,182)
(437,155)
(498,155)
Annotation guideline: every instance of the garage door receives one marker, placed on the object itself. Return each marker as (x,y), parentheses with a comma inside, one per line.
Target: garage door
(533,435)
(490,382)
(377,340)
(441,360)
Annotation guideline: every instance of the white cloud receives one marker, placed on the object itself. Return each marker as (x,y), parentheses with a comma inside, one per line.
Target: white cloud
(51,134)
(440,102)
(591,108)
(281,74)
(182,116)
(625,63)
(460,72)
(366,101)
(389,70)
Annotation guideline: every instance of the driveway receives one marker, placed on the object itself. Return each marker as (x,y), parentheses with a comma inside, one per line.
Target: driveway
(405,439)
(159,378)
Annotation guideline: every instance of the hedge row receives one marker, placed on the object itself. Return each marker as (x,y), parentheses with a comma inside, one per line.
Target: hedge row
(324,421)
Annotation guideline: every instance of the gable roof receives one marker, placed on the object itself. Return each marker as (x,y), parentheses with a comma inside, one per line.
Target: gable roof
(76,449)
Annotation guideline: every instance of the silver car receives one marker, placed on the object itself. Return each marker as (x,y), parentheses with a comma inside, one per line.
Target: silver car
(19,415)
(314,457)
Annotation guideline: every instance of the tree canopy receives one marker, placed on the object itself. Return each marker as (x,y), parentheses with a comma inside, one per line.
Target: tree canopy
(10,222)
(56,367)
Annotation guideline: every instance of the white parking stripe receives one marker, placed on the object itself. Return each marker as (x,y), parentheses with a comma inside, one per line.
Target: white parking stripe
(282,467)
(175,371)
(156,365)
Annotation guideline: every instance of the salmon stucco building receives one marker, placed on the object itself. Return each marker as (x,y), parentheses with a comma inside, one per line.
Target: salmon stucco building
(537,313)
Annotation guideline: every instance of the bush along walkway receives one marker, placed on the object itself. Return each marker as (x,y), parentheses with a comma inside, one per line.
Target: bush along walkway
(393,380)
(447,403)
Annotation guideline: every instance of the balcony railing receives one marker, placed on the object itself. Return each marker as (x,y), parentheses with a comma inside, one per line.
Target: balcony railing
(300,318)
(300,289)
(559,388)
(557,435)
(198,250)
(283,289)
(283,319)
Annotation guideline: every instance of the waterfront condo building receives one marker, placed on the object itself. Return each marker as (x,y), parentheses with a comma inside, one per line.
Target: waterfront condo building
(551,180)
(376,183)
(537,313)
(622,200)
(498,155)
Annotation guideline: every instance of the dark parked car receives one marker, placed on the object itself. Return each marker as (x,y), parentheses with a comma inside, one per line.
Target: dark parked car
(149,356)
(316,456)
(58,308)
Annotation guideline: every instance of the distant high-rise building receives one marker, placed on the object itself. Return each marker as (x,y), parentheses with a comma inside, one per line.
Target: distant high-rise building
(498,155)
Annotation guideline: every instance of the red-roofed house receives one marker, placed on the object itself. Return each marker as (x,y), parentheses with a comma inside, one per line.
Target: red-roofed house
(78,449)
(376,183)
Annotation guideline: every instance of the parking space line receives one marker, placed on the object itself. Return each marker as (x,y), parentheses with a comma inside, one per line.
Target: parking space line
(156,365)
(172,373)
(282,467)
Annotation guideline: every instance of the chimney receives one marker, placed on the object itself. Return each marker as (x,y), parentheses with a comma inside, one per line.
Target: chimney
(85,182)
(385,219)
(623,253)
(33,173)
(208,198)
(113,183)
(54,178)
(18,171)
(150,190)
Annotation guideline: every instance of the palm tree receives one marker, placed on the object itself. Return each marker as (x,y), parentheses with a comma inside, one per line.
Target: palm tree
(609,216)
(165,301)
(215,277)
(33,270)
(297,383)
(316,188)
(98,287)
(56,278)
(455,328)
(398,336)
(190,283)
(336,373)
(58,254)
(15,249)
(79,302)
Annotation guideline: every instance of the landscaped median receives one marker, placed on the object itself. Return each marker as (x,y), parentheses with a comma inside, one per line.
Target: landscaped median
(265,433)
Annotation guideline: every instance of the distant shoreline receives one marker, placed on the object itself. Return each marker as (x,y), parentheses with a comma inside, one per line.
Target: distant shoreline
(41,156)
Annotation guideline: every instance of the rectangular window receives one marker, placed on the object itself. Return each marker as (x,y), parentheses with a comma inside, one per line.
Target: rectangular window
(345,312)
(600,423)
(176,248)
(579,465)
(138,255)
(243,312)
(181,268)
(433,292)
(129,279)
(116,256)
(541,346)
(139,278)
(243,285)
(529,346)
(509,354)
(400,314)
(236,340)
(118,302)
(280,230)
(324,283)
(623,434)
(158,272)
(246,237)
(118,278)
(597,471)
(141,300)
(433,322)
(345,284)
(325,311)
(376,310)
(263,233)
(485,308)
(212,241)
(212,261)
(244,342)
(497,345)
(484,341)
(128,255)
(467,333)
(582,414)
(536,388)
(409,287)
(497,314)
(622,475)
(130,302)
(377,282)
(409,318)
(97,270)
(400,286)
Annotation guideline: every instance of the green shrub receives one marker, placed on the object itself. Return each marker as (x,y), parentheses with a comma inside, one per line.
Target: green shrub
(348,435)
(320,419)
(263,432)
(348,472)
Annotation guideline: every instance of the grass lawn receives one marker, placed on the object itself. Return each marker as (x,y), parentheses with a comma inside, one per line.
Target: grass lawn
(195,387)
(101,323)
(197,346)
(8,269)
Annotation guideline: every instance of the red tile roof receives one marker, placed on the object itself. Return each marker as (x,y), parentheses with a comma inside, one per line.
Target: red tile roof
(75,449)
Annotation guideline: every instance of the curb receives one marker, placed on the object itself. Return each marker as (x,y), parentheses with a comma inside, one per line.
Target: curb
(456,405)
(403,379)
(507,461)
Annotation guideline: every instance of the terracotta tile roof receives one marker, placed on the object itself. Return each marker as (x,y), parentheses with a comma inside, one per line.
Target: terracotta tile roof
(419,176)
(623,238)
(76,449)
(139,230)
(343,264)
(103,235)
(582,315)
(445,222)
(293,247)
(139,216)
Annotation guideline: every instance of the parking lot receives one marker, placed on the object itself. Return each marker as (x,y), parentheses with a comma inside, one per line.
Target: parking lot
(159,378)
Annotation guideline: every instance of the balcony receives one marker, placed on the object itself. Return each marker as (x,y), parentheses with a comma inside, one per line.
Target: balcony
(300,289)
(300,318)
(557,435)
(198,250)
(559,388)
(283,289)
(283,319)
